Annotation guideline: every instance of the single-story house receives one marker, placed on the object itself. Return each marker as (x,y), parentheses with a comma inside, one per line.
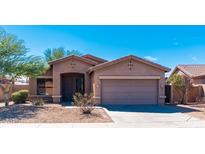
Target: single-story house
(196,75)
(127,80)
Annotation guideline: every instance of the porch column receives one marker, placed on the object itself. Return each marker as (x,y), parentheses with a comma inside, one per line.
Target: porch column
(56,88)
(87,83)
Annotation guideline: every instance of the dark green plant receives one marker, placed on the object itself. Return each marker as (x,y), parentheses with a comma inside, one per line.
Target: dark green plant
(85,102)
(20,96)
(38,102)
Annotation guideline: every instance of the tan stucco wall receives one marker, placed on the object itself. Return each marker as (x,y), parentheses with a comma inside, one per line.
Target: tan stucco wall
(32,86)
(49,72)
(121,69)
(66,67)
(193,93)
(199,80)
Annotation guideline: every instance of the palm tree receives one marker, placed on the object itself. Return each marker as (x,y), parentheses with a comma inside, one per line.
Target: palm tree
(56,53)
(73,52)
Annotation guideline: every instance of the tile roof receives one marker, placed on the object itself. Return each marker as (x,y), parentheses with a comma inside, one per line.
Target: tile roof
(194,70)
(74,57)
(97,59)
(109,63)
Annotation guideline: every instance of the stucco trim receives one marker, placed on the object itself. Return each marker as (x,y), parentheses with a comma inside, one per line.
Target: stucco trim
(44,77)
(97,97)
(40,95)
(129,77)
(56,96)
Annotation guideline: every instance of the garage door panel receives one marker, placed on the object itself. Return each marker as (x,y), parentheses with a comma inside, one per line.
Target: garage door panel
(129,91)
(131,82)
(131,95)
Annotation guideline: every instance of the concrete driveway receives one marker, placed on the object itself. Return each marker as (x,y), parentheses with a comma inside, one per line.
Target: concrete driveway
(153,116)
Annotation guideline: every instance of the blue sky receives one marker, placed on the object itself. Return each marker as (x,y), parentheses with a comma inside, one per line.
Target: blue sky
(166,45)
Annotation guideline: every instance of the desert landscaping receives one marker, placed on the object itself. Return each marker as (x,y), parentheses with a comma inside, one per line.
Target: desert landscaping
(50,113)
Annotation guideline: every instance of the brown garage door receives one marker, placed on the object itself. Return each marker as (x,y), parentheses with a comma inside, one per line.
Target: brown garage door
(117,91)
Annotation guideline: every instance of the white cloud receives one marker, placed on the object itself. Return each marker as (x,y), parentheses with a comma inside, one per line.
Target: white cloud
(195,59)
(151,58)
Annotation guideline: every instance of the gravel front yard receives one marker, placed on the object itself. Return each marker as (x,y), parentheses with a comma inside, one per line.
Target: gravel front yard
(50,113)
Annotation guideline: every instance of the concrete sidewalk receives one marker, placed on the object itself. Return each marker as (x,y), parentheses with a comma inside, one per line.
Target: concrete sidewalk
(187,122)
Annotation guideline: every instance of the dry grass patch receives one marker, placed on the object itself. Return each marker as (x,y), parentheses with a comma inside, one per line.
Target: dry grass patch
(50,113)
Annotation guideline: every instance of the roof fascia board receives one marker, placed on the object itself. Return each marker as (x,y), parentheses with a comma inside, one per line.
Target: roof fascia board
(106,64)
(74,57)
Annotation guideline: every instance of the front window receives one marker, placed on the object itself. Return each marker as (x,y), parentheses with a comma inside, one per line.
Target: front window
(79,85)
(44,86)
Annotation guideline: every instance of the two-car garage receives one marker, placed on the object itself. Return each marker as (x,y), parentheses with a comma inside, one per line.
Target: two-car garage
(129,91)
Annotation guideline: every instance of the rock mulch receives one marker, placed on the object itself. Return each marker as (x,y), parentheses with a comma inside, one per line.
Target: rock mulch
(50,113)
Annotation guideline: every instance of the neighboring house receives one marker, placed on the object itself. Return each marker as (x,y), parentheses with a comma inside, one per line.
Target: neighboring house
(196,75)
(127,80)
(17,86)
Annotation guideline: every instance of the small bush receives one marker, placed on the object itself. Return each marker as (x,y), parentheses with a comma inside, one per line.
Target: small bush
(38,102)
(20,96)
(85,102)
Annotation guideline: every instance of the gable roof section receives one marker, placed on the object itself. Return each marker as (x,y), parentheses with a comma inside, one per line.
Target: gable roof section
(94,58)
(73,57)
(195,70)
(130,57)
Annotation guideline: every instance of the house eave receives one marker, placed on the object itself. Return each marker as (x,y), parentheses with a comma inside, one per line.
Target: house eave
(72,57)
(107,64)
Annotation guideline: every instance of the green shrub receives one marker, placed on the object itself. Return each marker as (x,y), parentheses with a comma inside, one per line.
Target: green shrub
(38,102)
(85,102)
(20,96)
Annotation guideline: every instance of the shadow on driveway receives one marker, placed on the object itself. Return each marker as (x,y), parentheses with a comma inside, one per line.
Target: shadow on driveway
(148,108)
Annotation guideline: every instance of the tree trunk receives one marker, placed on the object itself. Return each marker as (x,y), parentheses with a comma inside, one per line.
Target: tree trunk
(184,96)
(6,92)
(6,98)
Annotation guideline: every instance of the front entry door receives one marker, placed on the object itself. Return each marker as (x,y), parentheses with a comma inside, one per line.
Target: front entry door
(70,84)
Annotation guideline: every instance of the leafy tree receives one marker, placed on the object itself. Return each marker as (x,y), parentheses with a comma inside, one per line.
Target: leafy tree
(181,85)
(56,53)
(14,62)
